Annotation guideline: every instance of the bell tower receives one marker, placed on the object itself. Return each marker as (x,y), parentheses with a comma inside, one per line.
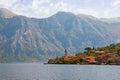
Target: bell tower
(66,52)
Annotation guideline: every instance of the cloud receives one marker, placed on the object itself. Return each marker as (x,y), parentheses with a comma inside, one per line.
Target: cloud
(113,10)
(39,8)
(34,8)
(60,6)
(7,3)
(86,11)
(46,8)
(116,2)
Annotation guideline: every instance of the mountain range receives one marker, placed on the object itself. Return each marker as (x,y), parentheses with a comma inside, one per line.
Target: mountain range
(24,38)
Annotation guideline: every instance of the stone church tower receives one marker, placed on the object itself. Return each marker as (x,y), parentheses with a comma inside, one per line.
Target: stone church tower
(66,52)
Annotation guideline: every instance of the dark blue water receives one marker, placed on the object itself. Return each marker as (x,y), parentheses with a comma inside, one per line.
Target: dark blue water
(40,71)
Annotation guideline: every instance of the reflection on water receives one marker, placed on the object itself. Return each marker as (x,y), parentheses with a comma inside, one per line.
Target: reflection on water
(40,71)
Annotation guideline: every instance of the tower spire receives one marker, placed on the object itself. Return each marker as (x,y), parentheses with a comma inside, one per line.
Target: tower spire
(66,52)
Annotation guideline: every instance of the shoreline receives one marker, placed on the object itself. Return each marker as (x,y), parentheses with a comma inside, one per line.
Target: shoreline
(81,64)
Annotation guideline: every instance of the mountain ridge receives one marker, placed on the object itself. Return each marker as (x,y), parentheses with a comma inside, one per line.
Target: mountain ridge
(22,37)
(5,13)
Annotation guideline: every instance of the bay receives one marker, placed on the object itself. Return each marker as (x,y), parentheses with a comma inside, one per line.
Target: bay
(40,71)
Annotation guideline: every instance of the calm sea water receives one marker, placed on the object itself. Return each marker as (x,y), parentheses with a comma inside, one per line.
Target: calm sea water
(40,71)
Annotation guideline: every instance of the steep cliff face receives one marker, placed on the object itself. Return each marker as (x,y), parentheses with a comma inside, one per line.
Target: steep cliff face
(21,36)
(6,13)
(76,32)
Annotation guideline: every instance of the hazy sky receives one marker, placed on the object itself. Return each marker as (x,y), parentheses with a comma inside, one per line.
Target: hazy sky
(46,8)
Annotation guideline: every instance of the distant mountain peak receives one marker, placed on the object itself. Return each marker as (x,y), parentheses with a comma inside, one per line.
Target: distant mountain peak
(5,13)
(23,38)
(111,20)
(63,13)
(86,16)
(68,15)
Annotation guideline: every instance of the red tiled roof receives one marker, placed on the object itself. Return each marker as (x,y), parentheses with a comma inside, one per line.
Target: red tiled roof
(90,59)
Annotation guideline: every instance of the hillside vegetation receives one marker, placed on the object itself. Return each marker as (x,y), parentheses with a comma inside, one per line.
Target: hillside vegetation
(102,55)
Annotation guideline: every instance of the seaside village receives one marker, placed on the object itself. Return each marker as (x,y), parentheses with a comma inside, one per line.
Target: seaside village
(99,57)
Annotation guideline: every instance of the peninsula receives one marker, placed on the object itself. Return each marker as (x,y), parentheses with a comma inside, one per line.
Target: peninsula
(109,55)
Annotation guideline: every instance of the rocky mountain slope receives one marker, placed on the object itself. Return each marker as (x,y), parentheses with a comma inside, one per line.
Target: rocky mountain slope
(22,37)
(6,13)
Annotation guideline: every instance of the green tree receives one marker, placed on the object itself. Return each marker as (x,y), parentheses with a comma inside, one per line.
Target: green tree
(89,51)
